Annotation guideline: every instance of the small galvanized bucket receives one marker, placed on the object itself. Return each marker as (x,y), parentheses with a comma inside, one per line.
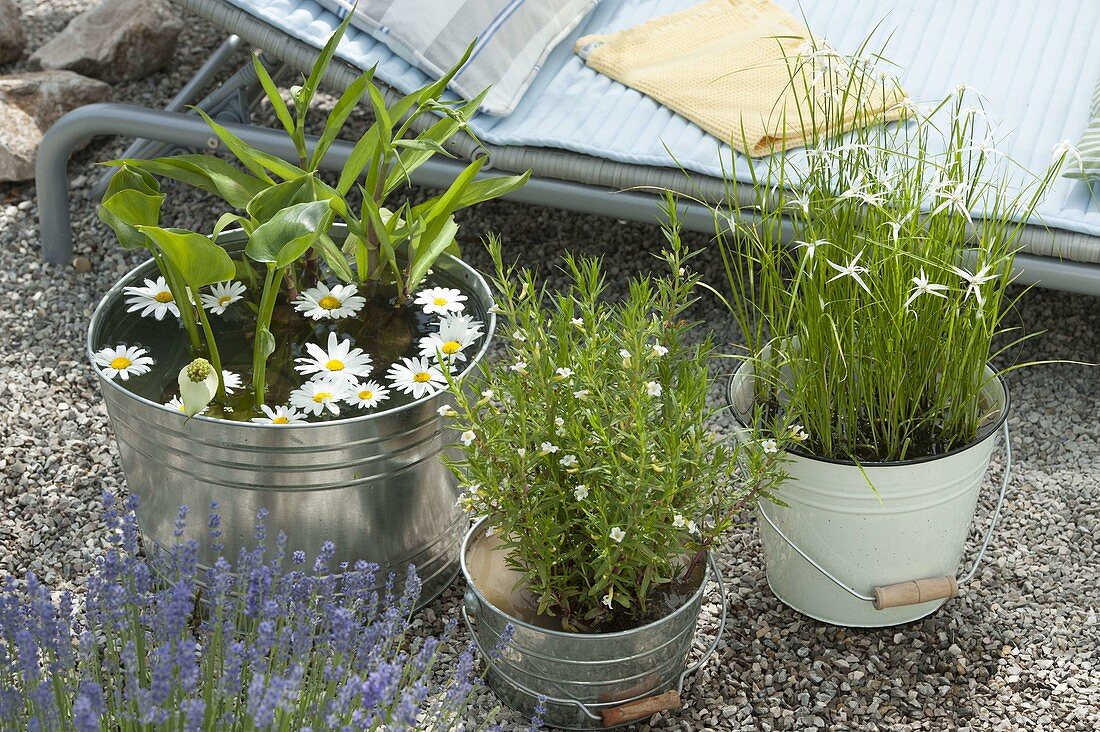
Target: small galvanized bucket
(374,485)
(587,681)
(844,553)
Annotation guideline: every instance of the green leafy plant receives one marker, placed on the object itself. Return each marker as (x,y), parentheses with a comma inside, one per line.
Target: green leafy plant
(874,328)
(286,210)
(587,445)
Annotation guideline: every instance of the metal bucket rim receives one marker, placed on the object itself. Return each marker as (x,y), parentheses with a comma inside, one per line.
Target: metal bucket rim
(987,430)
(481,525)
(236,236)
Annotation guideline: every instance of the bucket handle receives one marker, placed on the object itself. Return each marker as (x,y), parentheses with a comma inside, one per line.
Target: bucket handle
(913,591)
(637,708)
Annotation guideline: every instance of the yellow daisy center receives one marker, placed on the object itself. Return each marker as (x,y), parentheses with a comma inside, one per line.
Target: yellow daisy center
(422,377)
(321,396)
(164,296)
(224,300)
(366,394)
(335,365)
(450,348)
(280,420)
(441,301)
(121,363)
(328,302)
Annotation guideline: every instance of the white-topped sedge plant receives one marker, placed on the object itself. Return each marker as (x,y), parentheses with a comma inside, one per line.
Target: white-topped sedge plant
(286,212)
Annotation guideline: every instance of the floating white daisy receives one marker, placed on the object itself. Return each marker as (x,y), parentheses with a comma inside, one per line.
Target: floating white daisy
(321,302)
(367,395)
(222,295)
(177,403)
(315,397)
(416,376)
(231,381)
(153,299)
(338,361)
(123,361)
(456,333)
(441,300)
(280,415)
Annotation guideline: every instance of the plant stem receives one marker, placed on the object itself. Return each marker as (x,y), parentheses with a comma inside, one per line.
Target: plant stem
(215,357)
(179,294)
(263,333)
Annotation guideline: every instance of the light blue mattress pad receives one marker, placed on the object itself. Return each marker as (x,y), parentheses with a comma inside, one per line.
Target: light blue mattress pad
(1034,63)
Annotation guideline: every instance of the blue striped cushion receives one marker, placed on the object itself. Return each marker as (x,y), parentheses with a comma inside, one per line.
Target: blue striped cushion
(514,37)
(1088,168)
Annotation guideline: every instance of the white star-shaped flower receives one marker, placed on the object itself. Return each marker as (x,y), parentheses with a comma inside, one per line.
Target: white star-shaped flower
(923,287)
(852,269)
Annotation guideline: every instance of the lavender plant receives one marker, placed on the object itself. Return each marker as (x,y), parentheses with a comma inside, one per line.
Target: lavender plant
(589,448)
(160,644)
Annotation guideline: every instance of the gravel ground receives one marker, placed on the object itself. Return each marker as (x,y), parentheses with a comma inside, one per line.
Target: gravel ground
(1017,651)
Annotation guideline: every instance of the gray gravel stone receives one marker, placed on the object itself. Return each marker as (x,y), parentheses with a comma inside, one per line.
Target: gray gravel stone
(12,38)
(1018,651)
(116,40)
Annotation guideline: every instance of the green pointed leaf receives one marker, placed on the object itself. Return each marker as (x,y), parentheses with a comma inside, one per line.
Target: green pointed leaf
(287,229)
(273,95)
(439,133)
(130,177)
(255,160)
(274,199)
(126,210)
(480,191)
(335,258)
(320,66)
(198,260)
(207,173)
(226,220)
(428,252)
(347,103)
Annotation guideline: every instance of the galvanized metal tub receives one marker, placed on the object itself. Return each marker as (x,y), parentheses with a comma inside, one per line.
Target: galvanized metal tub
(374,485)
(586,680)
(912,525)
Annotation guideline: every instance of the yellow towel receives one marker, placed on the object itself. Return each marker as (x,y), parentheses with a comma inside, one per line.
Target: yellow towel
(726,65)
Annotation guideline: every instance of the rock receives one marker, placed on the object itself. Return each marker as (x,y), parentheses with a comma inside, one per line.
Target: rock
(117,40)
(29,104)
(11,32)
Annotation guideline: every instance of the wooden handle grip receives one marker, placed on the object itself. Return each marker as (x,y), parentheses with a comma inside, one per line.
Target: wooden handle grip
(640,708)
(915,592)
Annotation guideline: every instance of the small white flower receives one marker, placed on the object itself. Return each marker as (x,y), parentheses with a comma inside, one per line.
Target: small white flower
(924,287)
(852,269)
(580,393)
(441,300)
(521,451)
(769,446)
(607,600)
(370,394)
(338,361)
(416,376)
(519,335)
(799,433)
(548,448)
(177,403)
(487,394)
(580,492)
(811,247)
(519,367)
(446,411)
(568,461)
(625,355)
(659,350)
(678,521)
(975,282)
(455,334)
(954,197)
(221,296)
(691,527)
(564,372)
(321,302)
(231,381)
(1065,149)
(153,299)
(617,535)
(467,437)
(280,415)
(653,389)
(198,382)
(577,322)
(315,397)
(123,361)
(559,421)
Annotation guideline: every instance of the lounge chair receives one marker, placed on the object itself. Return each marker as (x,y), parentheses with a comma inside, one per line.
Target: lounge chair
(1035,63)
